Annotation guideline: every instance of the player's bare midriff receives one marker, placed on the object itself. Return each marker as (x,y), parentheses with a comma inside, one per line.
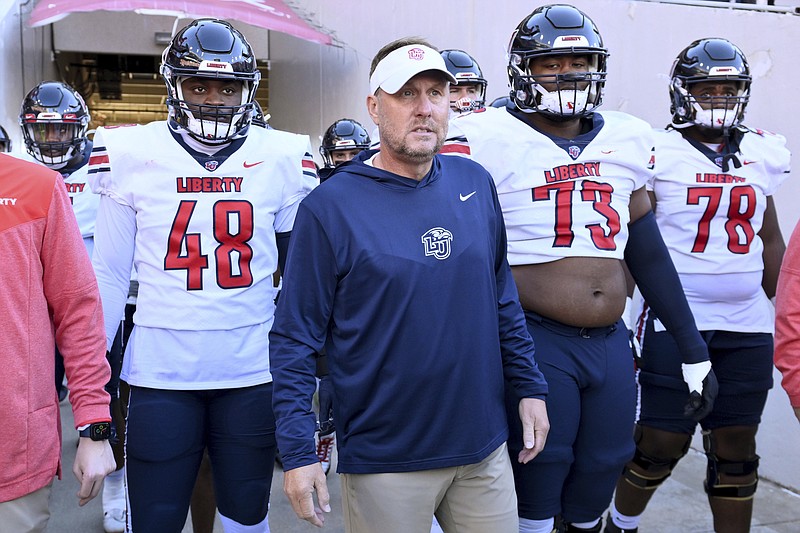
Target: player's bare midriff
(579,291)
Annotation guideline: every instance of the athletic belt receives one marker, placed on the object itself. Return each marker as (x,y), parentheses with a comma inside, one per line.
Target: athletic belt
(569,331)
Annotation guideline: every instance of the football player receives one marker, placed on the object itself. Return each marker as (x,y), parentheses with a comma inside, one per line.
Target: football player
(576,214)
(342,141)
(202,204)
(712,195)
(469,91)
(55,119)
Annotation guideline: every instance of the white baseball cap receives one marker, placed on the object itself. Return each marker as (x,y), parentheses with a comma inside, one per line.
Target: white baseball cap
(402,64)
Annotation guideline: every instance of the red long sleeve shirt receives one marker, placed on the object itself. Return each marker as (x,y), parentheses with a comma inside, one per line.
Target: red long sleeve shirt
(48,296)
(787,319)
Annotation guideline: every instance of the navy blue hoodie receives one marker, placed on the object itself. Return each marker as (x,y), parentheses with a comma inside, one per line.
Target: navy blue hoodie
(405,284)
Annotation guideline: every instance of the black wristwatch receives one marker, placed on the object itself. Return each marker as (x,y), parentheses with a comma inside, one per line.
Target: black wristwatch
(97,431)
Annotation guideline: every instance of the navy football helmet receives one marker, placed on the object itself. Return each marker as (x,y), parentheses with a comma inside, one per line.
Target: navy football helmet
(708,60)
(466,72)
(344,134)
(54,120)
(557,30)
(500,102)
(210,48)
(5,140)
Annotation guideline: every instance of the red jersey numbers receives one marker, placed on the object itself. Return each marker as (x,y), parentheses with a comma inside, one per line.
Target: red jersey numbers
(233,228)
(741,209)
(595,193)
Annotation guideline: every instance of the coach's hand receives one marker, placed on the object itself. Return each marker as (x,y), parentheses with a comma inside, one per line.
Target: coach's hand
(535,426)
(94,460)
(703,389)
(300,484)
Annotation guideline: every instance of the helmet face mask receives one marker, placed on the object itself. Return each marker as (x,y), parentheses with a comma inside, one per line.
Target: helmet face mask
(211,122)
(468,73)
(213,50)
(54,120)
(343,135)
(559,33)
(709,85)
(473,100)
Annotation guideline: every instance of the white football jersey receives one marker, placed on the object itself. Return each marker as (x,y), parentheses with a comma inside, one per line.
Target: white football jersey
(710,220)
(560,198)
(84,203)
(205,248)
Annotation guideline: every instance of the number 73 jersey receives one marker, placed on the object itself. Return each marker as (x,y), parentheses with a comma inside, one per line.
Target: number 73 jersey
(560,198)
(205,247)
(710,218)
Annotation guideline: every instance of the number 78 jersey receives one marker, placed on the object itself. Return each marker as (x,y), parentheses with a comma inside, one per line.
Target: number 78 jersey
(709,218)
(560,198)
(205,247)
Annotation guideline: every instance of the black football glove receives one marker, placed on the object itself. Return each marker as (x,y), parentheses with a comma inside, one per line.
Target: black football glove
(325,395)
(703,389)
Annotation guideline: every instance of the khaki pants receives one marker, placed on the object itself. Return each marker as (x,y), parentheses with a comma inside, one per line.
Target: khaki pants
(27,514)
(476,498)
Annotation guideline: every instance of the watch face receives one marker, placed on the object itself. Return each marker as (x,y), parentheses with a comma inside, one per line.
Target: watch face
(102,430)
(99,431)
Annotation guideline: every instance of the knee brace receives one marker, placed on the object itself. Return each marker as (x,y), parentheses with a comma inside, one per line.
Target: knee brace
(745,474)
(656,469)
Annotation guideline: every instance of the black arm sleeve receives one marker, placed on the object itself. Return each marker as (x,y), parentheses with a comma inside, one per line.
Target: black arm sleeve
(651,266)
(282,242)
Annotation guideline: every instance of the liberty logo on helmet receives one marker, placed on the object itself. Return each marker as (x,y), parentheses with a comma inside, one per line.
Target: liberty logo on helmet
(436,242)
(417,54)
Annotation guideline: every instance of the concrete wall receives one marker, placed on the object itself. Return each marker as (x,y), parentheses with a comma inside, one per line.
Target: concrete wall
(25,60)
(112,32)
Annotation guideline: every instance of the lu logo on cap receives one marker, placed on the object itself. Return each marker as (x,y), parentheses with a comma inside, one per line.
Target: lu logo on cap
(417,54)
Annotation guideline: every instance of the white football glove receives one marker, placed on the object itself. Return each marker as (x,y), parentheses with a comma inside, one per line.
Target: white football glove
(703,389)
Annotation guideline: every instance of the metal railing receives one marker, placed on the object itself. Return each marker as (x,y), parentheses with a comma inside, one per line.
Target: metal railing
(760,6)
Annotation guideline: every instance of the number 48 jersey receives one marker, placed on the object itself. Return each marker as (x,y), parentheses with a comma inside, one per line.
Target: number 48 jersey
(205,246)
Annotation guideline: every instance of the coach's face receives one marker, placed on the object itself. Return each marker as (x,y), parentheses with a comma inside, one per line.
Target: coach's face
(413,121)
